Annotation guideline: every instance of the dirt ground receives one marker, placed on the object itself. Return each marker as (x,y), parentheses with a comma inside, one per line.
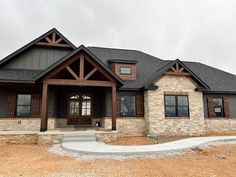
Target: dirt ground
(141,140)
(33,160)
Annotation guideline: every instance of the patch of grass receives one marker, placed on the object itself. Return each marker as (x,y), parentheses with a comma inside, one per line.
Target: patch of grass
(159,139)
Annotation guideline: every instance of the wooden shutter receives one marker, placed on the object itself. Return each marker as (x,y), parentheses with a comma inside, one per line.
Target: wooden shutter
(118,105)
(211,107)
(226,107)
(140,105)
(35,105)
(11,105)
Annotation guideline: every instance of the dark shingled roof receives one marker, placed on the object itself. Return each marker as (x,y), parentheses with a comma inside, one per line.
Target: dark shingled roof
(17,75)
(148,67)
(146,64)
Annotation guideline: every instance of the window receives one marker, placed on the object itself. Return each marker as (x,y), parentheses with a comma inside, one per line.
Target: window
(127,106)
(86,105)
(125,70)
(176,106)
(74,105)
(218,107)
(23,105)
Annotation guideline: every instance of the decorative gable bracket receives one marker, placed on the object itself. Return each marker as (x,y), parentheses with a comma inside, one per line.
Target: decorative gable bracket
(177,68)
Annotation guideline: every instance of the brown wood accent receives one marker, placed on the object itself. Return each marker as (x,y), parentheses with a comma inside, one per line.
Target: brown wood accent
(53,41)
(58,41)
(118,105)
(178,73)
(49,40)
(226,107)
(53,44)
(11,105)
(116,68)
(44,108)
(100,69)
(72,72)
(90,74)
(53,37)
(114,108)
(140,105)
(81,67)
(176,93)
(80,119)
(79,82)
(35,105)
(80,57)
(178,70)
(210,103)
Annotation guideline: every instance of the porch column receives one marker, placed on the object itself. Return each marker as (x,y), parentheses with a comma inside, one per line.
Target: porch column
(113,108)
(44,109)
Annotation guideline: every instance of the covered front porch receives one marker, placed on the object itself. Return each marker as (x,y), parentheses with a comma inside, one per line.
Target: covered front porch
(76,108)
(83,91)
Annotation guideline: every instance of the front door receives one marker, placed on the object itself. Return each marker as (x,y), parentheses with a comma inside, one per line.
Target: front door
(79,109)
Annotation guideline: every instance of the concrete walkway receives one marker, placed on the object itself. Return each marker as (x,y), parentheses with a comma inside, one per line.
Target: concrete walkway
(85,142)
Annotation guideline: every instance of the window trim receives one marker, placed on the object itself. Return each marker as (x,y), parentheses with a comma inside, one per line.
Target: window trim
(223,109)
(126,73)
(176,106)
(30,105)
(135,101)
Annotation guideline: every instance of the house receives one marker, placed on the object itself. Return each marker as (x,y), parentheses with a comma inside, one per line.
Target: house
(49,83)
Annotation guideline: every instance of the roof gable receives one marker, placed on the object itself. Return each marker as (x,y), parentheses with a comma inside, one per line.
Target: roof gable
(70,55)
(175,67)
(53,38)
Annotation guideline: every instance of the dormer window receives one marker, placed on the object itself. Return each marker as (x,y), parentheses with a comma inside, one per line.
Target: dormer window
(125,70)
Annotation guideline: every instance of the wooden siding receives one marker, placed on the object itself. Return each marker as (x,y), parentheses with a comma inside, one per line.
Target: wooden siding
(37,58)
(231,99)
(3,103)
(116,69)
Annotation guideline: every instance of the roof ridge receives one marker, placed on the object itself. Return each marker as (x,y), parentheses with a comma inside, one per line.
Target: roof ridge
(133,50)
(112,48)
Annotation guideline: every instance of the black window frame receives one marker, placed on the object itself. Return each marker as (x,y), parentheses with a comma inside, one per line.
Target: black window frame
(23,105)
(126,73)
(176,106)
(135,106)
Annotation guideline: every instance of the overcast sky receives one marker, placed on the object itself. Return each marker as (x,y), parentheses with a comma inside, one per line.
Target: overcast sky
(194,30)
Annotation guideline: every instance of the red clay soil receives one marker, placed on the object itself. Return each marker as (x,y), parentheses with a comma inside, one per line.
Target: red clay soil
(33,160)
(141,140)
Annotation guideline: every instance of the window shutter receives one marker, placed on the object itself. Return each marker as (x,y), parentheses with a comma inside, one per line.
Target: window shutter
(118,105)
(140,105)
(211,111)
(11,105)
(226,107)
(35,105)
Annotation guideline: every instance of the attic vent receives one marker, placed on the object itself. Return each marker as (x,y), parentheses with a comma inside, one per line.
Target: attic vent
(54,40)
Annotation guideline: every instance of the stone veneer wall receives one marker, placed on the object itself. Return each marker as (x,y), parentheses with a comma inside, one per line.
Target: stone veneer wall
(31,124)
(220,125)
(129,126)
(158,124)
(19,124)
(30,138)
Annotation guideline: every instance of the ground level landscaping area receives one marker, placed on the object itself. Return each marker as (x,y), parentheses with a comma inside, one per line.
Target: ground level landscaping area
(35,160)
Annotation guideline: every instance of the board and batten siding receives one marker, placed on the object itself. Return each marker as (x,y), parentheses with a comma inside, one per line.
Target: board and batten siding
(3,103)
(36,58)
(232,103)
